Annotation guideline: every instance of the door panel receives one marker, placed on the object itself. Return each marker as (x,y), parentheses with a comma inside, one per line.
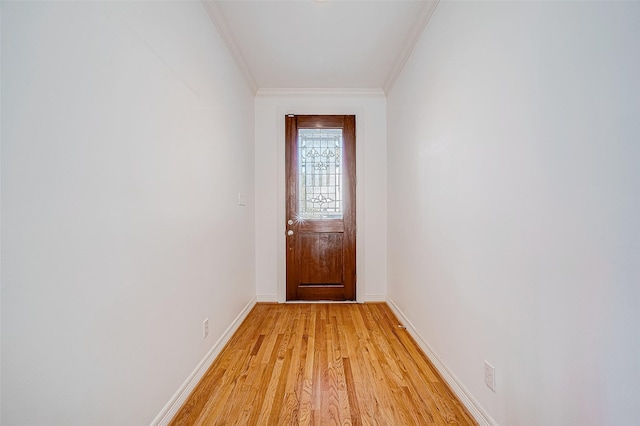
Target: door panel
(320,161)
(321,258)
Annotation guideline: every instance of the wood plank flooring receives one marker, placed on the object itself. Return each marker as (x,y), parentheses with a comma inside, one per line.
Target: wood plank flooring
(322,364)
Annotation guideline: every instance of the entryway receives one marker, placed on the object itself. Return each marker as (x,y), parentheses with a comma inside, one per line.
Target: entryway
(320,157)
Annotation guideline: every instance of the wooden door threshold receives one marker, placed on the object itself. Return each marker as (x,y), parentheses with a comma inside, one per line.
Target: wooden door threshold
(321,301)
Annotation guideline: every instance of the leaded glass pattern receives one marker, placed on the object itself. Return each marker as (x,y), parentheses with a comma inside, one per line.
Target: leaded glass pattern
(320,174)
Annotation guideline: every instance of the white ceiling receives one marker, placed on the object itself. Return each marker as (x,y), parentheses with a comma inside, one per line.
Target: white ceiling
(345,44)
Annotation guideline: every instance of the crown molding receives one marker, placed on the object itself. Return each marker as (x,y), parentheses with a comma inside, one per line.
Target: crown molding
(221,24)
(410,44)
(319,92)
(224,30)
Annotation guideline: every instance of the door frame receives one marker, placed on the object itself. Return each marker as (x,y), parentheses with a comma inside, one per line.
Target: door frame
(360,194)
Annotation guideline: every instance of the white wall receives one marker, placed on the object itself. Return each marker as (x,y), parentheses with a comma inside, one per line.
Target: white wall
(514,205)
(127,133)
(371,205)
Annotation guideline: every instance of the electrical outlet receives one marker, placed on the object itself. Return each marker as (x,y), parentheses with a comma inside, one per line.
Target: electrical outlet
(205,328)
(490,376)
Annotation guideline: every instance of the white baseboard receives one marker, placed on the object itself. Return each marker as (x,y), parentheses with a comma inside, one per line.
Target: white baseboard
(465,397)
(267,298)
(373,298)
(179,398)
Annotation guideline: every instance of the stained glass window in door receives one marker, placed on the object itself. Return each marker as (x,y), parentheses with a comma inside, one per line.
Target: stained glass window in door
(320,173)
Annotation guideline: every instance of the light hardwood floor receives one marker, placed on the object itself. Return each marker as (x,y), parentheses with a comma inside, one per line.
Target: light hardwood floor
(322,364)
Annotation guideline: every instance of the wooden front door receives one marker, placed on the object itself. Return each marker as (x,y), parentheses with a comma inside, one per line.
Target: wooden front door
(321,207)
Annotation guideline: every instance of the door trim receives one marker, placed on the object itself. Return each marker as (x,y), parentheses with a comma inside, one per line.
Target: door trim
(280,257)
